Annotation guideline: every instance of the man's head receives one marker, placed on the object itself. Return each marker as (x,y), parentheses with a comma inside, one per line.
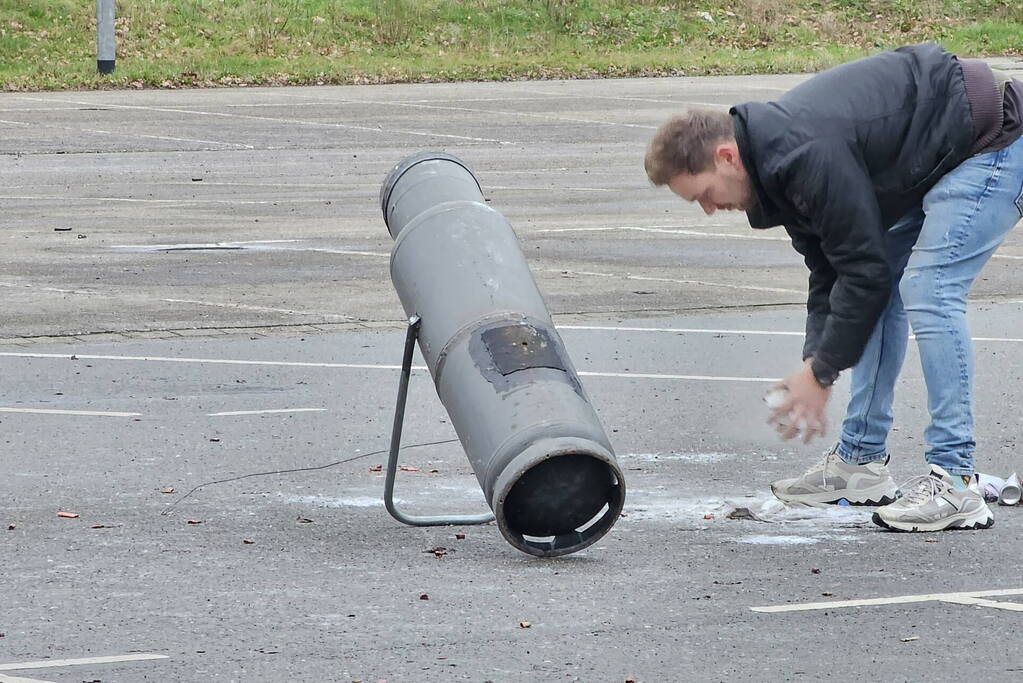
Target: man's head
(696,156)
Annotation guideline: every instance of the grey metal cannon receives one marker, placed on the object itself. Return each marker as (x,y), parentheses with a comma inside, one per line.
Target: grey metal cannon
(500,368)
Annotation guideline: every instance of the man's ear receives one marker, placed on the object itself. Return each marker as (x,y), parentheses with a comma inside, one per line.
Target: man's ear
(727,152)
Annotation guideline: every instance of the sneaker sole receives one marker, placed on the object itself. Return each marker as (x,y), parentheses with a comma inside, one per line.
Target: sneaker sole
(952,524)
(867,497)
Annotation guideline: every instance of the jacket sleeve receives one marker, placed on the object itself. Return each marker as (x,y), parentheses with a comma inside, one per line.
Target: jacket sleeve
(828,184)
(822,279)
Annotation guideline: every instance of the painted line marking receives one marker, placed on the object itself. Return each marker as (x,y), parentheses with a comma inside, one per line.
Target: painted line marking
(668,230)
(982,602)
(55,411)
(366,366)
(176,202)
(48,663)
(266,412)
(492,112)
(18,679)
(704,283)
(157,137)
(699,378)
(896,600)
(700,330)
(200,245)
(196,302)
(272,119)
(678,330)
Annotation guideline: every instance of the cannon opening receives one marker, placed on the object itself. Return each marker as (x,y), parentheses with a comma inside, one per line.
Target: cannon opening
(566,494)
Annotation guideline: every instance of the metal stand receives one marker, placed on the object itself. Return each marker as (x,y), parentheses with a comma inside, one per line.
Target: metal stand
(392,462)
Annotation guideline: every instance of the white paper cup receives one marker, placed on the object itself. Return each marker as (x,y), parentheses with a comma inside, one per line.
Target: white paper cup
(1010,494)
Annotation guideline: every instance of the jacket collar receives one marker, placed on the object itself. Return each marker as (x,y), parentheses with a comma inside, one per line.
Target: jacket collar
(764,213)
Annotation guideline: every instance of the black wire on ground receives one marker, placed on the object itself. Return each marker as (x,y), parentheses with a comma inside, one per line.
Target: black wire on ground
(299,469)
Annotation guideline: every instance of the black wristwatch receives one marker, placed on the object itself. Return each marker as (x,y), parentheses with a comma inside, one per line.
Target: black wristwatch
(823,373)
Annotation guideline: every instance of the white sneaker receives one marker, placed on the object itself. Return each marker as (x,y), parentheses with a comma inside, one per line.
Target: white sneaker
(833,481)
(931,502)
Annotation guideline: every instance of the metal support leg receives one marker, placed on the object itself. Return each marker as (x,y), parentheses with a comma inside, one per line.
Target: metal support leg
(392,462)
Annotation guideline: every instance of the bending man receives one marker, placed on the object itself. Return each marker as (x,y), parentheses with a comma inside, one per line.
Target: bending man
(896,177)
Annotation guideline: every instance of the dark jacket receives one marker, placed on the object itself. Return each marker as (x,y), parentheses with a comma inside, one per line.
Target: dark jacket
(837,161)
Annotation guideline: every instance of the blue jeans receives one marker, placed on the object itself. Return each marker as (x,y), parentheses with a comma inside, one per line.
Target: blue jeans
(935,253)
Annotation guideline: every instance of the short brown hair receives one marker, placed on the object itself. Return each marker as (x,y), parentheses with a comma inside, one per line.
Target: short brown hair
(685,144)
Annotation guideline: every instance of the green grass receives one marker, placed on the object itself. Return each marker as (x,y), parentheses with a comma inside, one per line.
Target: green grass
(50,44)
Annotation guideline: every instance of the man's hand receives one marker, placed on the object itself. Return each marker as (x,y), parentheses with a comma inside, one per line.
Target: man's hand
(803,409)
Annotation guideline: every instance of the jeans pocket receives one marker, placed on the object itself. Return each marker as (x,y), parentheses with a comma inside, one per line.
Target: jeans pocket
(1019,202)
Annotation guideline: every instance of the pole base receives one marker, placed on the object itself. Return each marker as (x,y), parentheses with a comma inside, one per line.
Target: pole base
(105,66)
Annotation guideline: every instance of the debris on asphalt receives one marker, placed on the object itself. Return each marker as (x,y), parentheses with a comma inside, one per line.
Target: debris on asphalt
(248,541)
(376,468)
(408,468)
(815,570)
(911,638)
(195,521)
(168,489)
(11,527)
(524,624)
(439,551)
(66,228)
(708,516)
(424,596)
(303,520)
(742,513)
(460,537)
(67,515)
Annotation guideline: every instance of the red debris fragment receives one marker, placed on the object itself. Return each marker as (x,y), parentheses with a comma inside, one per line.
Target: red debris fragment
(814,570)
(376,468)
(424,596)
(248,541)
(67,515)
(460,537)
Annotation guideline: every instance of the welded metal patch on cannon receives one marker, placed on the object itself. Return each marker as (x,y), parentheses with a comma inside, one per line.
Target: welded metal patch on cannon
(520,346)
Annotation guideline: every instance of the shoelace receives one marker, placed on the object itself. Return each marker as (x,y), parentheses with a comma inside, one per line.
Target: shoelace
(822,467)
(921,489)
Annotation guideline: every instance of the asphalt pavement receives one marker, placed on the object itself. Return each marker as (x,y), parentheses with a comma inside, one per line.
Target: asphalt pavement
(199,358)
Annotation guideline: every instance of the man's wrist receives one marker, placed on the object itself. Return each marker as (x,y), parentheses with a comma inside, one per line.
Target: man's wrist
(823,372)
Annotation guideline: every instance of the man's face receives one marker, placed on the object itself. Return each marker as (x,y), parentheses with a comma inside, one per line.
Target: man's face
(725,186)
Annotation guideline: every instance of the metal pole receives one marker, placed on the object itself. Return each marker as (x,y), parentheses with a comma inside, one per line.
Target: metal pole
(105,49)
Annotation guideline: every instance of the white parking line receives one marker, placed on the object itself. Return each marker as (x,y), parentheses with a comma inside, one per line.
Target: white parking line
(669,230)
(54,411)
(679,330)
(966,598)
(678,281)
(487,112)
(368,366)
(48,663)
(781,333)
(271,119)
(266,412)
(18,679)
